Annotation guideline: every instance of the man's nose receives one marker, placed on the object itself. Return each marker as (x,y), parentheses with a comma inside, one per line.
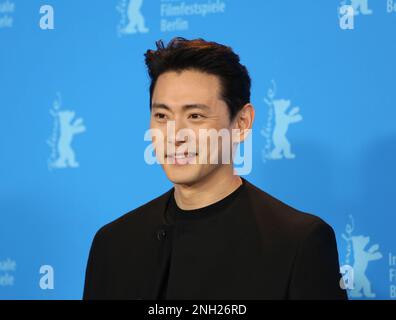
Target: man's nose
(179,135)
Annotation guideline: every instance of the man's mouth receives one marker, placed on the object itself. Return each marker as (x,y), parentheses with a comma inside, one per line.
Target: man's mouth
(181,158)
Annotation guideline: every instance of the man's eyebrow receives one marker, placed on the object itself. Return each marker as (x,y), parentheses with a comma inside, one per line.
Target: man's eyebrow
(185,107)
(160,106)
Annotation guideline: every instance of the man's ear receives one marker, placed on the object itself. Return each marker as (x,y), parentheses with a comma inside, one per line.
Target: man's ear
(243,122)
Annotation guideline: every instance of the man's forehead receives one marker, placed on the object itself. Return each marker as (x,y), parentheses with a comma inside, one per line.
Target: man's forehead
(187,84)
(193,90)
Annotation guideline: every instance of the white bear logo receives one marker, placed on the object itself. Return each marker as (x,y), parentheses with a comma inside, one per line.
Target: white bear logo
(361,259)
(358,6)
(62,154)
(357,245)
(136,22)
(282,121)
(67,132)
(276,136)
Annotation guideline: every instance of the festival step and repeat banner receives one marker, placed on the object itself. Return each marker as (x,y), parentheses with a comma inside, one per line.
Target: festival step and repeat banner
(74,102)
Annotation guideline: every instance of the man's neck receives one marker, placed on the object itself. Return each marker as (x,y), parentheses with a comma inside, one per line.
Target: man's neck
(211,189)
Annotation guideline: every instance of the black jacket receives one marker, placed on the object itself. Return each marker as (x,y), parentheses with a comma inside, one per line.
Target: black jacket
(259,248)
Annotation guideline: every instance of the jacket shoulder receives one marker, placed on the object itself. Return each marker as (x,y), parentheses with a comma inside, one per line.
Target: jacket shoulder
(281,219)
(136,220)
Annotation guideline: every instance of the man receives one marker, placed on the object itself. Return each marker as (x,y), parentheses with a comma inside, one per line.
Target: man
(214,235)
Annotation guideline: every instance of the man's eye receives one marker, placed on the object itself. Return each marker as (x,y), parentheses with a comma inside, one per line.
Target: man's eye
(196,116)
(160,116)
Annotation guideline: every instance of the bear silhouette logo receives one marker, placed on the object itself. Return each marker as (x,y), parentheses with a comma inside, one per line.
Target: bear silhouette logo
(278,146)
(361,256)
(65,129)
(358,6)
(132,19)
(282,121)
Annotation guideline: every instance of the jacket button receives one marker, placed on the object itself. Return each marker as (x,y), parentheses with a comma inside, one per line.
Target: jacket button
(161,234)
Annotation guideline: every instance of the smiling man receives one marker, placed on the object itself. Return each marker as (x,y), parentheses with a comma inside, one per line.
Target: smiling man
(213,235)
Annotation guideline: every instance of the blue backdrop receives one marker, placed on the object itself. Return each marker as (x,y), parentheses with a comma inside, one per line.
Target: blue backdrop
(74,110)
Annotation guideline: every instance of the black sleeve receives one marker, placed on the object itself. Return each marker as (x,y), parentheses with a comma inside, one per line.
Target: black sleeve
(95,274)
(316,273)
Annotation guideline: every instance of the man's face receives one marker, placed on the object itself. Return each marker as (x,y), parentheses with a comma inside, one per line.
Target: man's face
(190,100)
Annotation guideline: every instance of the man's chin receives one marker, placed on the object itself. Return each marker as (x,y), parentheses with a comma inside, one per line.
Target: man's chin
(184,181)
(178,176)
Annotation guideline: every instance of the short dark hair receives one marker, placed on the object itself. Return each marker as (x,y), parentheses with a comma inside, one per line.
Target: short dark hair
(208,57)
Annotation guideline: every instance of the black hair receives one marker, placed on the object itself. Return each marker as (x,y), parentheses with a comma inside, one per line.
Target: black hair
(208,57)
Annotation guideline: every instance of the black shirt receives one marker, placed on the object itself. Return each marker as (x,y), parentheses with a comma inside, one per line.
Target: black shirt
(175,216)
